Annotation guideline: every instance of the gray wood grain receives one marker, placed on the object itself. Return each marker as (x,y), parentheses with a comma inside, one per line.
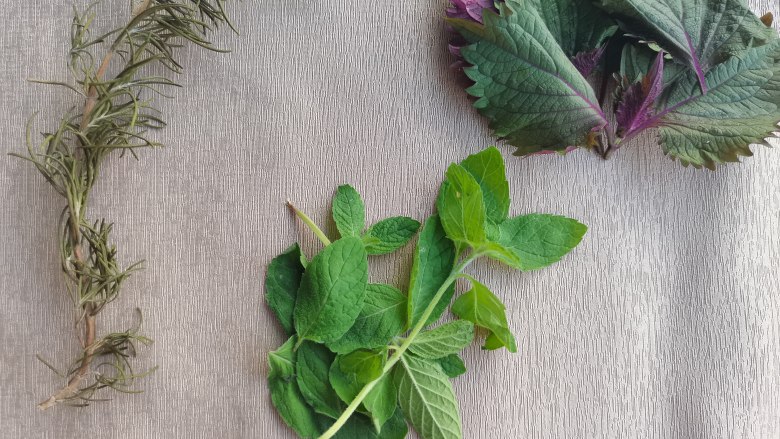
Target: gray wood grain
(664,323)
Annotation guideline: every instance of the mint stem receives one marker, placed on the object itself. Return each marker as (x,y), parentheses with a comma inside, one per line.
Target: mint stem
(398,354)
(310,224)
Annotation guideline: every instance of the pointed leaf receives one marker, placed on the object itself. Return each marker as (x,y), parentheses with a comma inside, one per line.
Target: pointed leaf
(434,259)
(426,397)
(285,394)
(281,285)
(462,208)
(389,235)
(637,102)
(382,318)
(332,291)
(313,367)
(445,340)
(382,401)
(487,168)
(365,365)
(349,212)
(484,309)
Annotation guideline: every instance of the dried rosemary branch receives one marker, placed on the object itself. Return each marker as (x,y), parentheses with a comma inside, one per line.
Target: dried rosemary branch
(116,115)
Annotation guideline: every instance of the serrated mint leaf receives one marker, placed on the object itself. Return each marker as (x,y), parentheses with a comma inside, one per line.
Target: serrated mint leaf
(332,291)
(365,365)
(484,309)
(462,208)
(699,34)
(281,285)
(383,317)
(382,401)
(535,241)
(313,367)
(524,82)
(452,365)
(445,340)
(360,427)
(426,397)
(487,168)
(349,212)
(434,259)
(740,108)
(389,235)
(578,26)
(285,394)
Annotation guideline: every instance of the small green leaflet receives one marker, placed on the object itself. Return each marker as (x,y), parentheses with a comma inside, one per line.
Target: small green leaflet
(484,309)
(346,385)
(382,318)
(434,259)
(285,394)
(389,235)
(445,340)
(382,401)
(535,241)
(462,208)
(349,212)
(487,168)
(426,397)
(313,367)
(365,365)
(452,365)
(281,285)
(332,291)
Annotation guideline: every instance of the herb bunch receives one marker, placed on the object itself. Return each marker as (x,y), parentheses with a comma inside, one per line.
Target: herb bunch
(705,75)
(362,358)
(115,118)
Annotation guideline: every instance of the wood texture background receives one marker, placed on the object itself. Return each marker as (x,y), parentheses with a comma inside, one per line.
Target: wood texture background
(664,323)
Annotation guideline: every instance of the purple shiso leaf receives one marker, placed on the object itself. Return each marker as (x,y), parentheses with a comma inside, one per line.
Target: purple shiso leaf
(635,107)
(469,9)
(585,62)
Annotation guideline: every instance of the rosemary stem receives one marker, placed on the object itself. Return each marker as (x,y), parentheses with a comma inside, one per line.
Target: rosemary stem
(310,224)
(398,354)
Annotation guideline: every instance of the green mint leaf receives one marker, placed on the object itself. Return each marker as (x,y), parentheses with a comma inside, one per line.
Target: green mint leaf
(452,365)
(360,427)
(445,340)
(382,401)
(365,365)
(525,84)
(487,168)
(484,309)
(577,25)
(699,34)
(346,385)
(349,212)
(740,108)
(313,367)
(382,318)
(462,208)
(281,285)
(535,241)
(434,259)
(285,394)
(332,291)
(389,235)
(426,397)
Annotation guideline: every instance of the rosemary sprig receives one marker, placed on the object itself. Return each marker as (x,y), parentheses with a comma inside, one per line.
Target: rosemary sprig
(117,115)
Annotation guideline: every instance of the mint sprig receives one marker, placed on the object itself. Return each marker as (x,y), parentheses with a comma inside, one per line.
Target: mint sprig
(362,360)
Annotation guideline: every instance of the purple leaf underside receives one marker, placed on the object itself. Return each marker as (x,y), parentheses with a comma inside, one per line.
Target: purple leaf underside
(635,108)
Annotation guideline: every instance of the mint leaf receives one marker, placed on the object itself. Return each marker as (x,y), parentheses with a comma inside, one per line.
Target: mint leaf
(452,365)
(349,212)
(383,316)
(699,34)
(281,285)
(332,291)
(389,235)
(365,365)
(445,340)
(484,309)
(462,208)
(741,107)
(285,394)
(524,82)
(360,427)
(382,401)
(434,259)
(487,168)
(426,397)
(346,385)
(535,241)
(313,367)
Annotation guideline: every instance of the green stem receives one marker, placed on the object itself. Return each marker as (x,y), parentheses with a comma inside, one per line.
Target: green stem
(398,354)
(309,223)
